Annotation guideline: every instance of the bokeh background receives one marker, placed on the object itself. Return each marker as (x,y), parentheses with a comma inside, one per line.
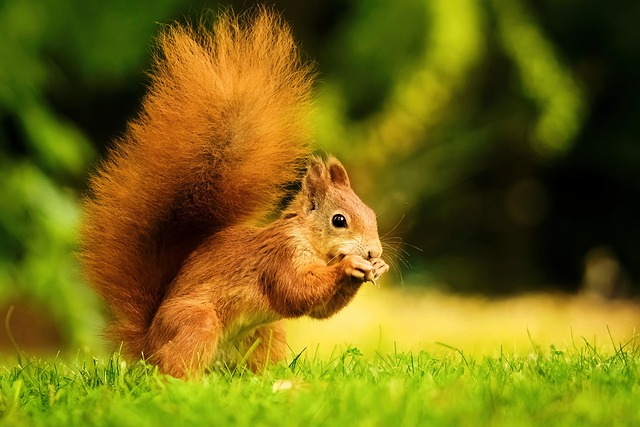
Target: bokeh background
(496,139)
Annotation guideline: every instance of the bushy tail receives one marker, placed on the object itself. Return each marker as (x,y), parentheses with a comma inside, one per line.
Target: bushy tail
(220,135)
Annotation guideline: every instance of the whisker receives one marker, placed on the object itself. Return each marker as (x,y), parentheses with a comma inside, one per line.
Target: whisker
(398,253)
(393,263)
(400,250)
(331,260)
(404,262)
(398,271)
(394,228)
(412,246)
(397,240)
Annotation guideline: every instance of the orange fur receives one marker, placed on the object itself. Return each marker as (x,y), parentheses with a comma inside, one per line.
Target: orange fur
(167,238)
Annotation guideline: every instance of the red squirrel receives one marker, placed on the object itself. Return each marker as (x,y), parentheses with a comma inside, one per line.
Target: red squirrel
(174,236)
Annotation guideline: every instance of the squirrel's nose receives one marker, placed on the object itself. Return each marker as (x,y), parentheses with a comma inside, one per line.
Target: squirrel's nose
(375,250)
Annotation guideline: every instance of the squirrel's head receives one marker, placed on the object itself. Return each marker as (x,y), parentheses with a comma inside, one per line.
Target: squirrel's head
(339,222)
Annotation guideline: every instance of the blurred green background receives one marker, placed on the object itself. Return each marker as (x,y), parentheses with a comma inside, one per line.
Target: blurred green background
(496,139)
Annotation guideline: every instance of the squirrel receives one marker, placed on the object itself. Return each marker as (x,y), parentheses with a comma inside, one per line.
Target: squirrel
(175,236)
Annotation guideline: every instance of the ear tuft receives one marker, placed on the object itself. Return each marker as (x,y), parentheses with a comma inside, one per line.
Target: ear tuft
(337,172)
(320,176)
(315,183)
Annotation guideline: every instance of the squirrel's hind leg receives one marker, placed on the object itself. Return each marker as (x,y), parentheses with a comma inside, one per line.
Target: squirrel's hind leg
(266,344)
(183,337)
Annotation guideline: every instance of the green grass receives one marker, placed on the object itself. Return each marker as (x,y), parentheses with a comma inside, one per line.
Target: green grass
(578,386)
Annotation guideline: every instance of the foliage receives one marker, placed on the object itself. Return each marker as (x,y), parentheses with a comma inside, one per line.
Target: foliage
(500,134)
(576,386)
(53,48)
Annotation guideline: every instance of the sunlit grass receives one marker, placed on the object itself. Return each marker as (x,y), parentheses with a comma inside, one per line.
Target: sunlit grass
(576,387)
(415,358)
(381,320)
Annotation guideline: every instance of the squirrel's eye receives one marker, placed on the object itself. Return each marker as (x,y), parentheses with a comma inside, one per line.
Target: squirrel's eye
(339,221)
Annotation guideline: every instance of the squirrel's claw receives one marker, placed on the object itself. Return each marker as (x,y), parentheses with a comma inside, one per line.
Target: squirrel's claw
(379,268)
(370,277)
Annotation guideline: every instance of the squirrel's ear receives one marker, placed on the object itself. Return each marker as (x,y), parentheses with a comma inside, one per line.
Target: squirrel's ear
(315,183)
(337,172)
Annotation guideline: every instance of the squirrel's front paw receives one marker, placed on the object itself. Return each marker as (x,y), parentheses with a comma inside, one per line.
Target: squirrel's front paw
(379,268)
(357,267)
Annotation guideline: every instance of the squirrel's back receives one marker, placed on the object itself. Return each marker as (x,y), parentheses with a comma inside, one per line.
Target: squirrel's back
(220,136)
